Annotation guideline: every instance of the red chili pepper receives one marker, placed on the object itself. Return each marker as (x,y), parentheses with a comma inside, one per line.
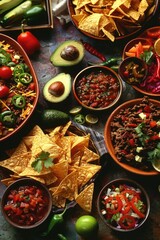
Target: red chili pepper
(127,222)
(133,125)
(116,204)
(153,124)
(132,142)
(93,51)
(28,41)
(134,207)
(153,33)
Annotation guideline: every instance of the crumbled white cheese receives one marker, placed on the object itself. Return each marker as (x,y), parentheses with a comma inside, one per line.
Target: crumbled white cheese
(16,57)
(138,158)
(142,115)
(139,149)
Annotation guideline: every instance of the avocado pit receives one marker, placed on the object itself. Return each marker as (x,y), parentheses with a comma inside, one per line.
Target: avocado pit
(56,89)
(69,53)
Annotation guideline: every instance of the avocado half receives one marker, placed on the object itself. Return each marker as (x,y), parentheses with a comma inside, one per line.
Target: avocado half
(57,59)
(58,88)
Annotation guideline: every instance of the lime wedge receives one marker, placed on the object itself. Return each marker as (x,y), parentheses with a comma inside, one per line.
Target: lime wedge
(91,119)
(156,164)
(75,110)
(157,46)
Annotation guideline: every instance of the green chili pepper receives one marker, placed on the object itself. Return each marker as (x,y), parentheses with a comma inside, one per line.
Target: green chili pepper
(18,101)
(8,118)
(61,236)
(55,220)
(35,15)
(109,62)
(25,78)
(18,69)
(79,118)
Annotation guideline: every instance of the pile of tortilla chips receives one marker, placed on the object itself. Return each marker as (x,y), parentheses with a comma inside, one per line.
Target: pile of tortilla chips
(110,19)
(75,164)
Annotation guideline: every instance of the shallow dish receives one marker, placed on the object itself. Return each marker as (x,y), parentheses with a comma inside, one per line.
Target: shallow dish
(130,190)
(25,59)
(91,85)
(138,169)
(138,47)
(38,192)
(124,26)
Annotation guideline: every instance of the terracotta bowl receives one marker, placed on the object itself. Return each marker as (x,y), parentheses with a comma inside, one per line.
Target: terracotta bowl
(148,43)
(124,183)
(16,46)
(82,96)
(126,32)
(111,147)
(19,222)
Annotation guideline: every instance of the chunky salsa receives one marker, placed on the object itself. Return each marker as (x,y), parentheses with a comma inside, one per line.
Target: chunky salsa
(26,205)
(17,89)
(97,90)
(123,206)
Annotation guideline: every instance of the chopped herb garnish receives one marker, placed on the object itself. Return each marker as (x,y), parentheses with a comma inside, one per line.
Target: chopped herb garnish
(42,160)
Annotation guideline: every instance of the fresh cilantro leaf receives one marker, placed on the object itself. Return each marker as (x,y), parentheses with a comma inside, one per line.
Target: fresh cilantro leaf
(147,56)
(139,130)
(42,160)
(154,154)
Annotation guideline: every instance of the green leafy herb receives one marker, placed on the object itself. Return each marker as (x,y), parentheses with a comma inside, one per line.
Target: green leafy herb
(42,160)
(142,136)
(4,57)
(154,154)
(147,56)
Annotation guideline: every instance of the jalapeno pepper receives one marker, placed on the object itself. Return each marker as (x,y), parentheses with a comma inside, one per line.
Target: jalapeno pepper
(18,69)
(8,118)
(18,101)
(35,15)
(25,78)
(79,118)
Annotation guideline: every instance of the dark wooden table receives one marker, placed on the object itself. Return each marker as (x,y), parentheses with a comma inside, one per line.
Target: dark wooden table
(49,40)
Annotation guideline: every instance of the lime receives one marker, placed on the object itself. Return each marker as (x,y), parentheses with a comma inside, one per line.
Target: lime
(92,119)
(156,164)
(75,110)
(157,46)
(86,226)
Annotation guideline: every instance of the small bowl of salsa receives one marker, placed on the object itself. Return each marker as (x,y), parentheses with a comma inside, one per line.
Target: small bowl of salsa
(97,88)
(26,203)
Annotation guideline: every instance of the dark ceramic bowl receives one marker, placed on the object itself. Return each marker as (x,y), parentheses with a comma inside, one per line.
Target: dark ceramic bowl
(110,146)
(126,28)
(18,221)
(127,185)
(85,91)
(133,70)
(17,47)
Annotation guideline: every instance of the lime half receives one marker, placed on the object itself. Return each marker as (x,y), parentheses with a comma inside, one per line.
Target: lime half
(91,119)
(75,110)
(156,164)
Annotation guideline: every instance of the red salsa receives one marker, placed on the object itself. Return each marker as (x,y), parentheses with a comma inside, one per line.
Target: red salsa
(97,90)
(26,205)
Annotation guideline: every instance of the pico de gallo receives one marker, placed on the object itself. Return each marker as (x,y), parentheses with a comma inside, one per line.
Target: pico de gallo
(26,205)
(97,90)
(135,134)
(17,89)
(122,206)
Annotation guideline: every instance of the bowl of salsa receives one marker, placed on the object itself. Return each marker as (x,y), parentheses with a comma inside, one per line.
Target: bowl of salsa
(123,204)
(97,88)
(26,203)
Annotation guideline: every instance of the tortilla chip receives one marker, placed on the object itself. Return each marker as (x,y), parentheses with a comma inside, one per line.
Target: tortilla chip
(84,199)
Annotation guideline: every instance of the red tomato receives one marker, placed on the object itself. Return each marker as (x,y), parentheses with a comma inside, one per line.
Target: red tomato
(5,72)
(4,91)
(31,86)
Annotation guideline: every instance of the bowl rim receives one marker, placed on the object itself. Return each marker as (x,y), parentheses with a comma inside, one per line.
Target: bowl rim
(105,68)
(109,143)
(28,181)
(18,47)
(131,183)
(70,6)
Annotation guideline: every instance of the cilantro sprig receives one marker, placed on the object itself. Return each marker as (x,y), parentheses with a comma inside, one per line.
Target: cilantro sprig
(42,160)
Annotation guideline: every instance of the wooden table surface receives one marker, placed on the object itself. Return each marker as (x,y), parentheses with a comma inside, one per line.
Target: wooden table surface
(44,69)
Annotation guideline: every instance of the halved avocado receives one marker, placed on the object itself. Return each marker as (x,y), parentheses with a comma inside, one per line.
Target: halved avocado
(68,53)
(58,88)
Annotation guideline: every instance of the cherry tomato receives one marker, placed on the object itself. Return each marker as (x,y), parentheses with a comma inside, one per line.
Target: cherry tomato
(5,72)
(31,86)
(86,226)
(4,91)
